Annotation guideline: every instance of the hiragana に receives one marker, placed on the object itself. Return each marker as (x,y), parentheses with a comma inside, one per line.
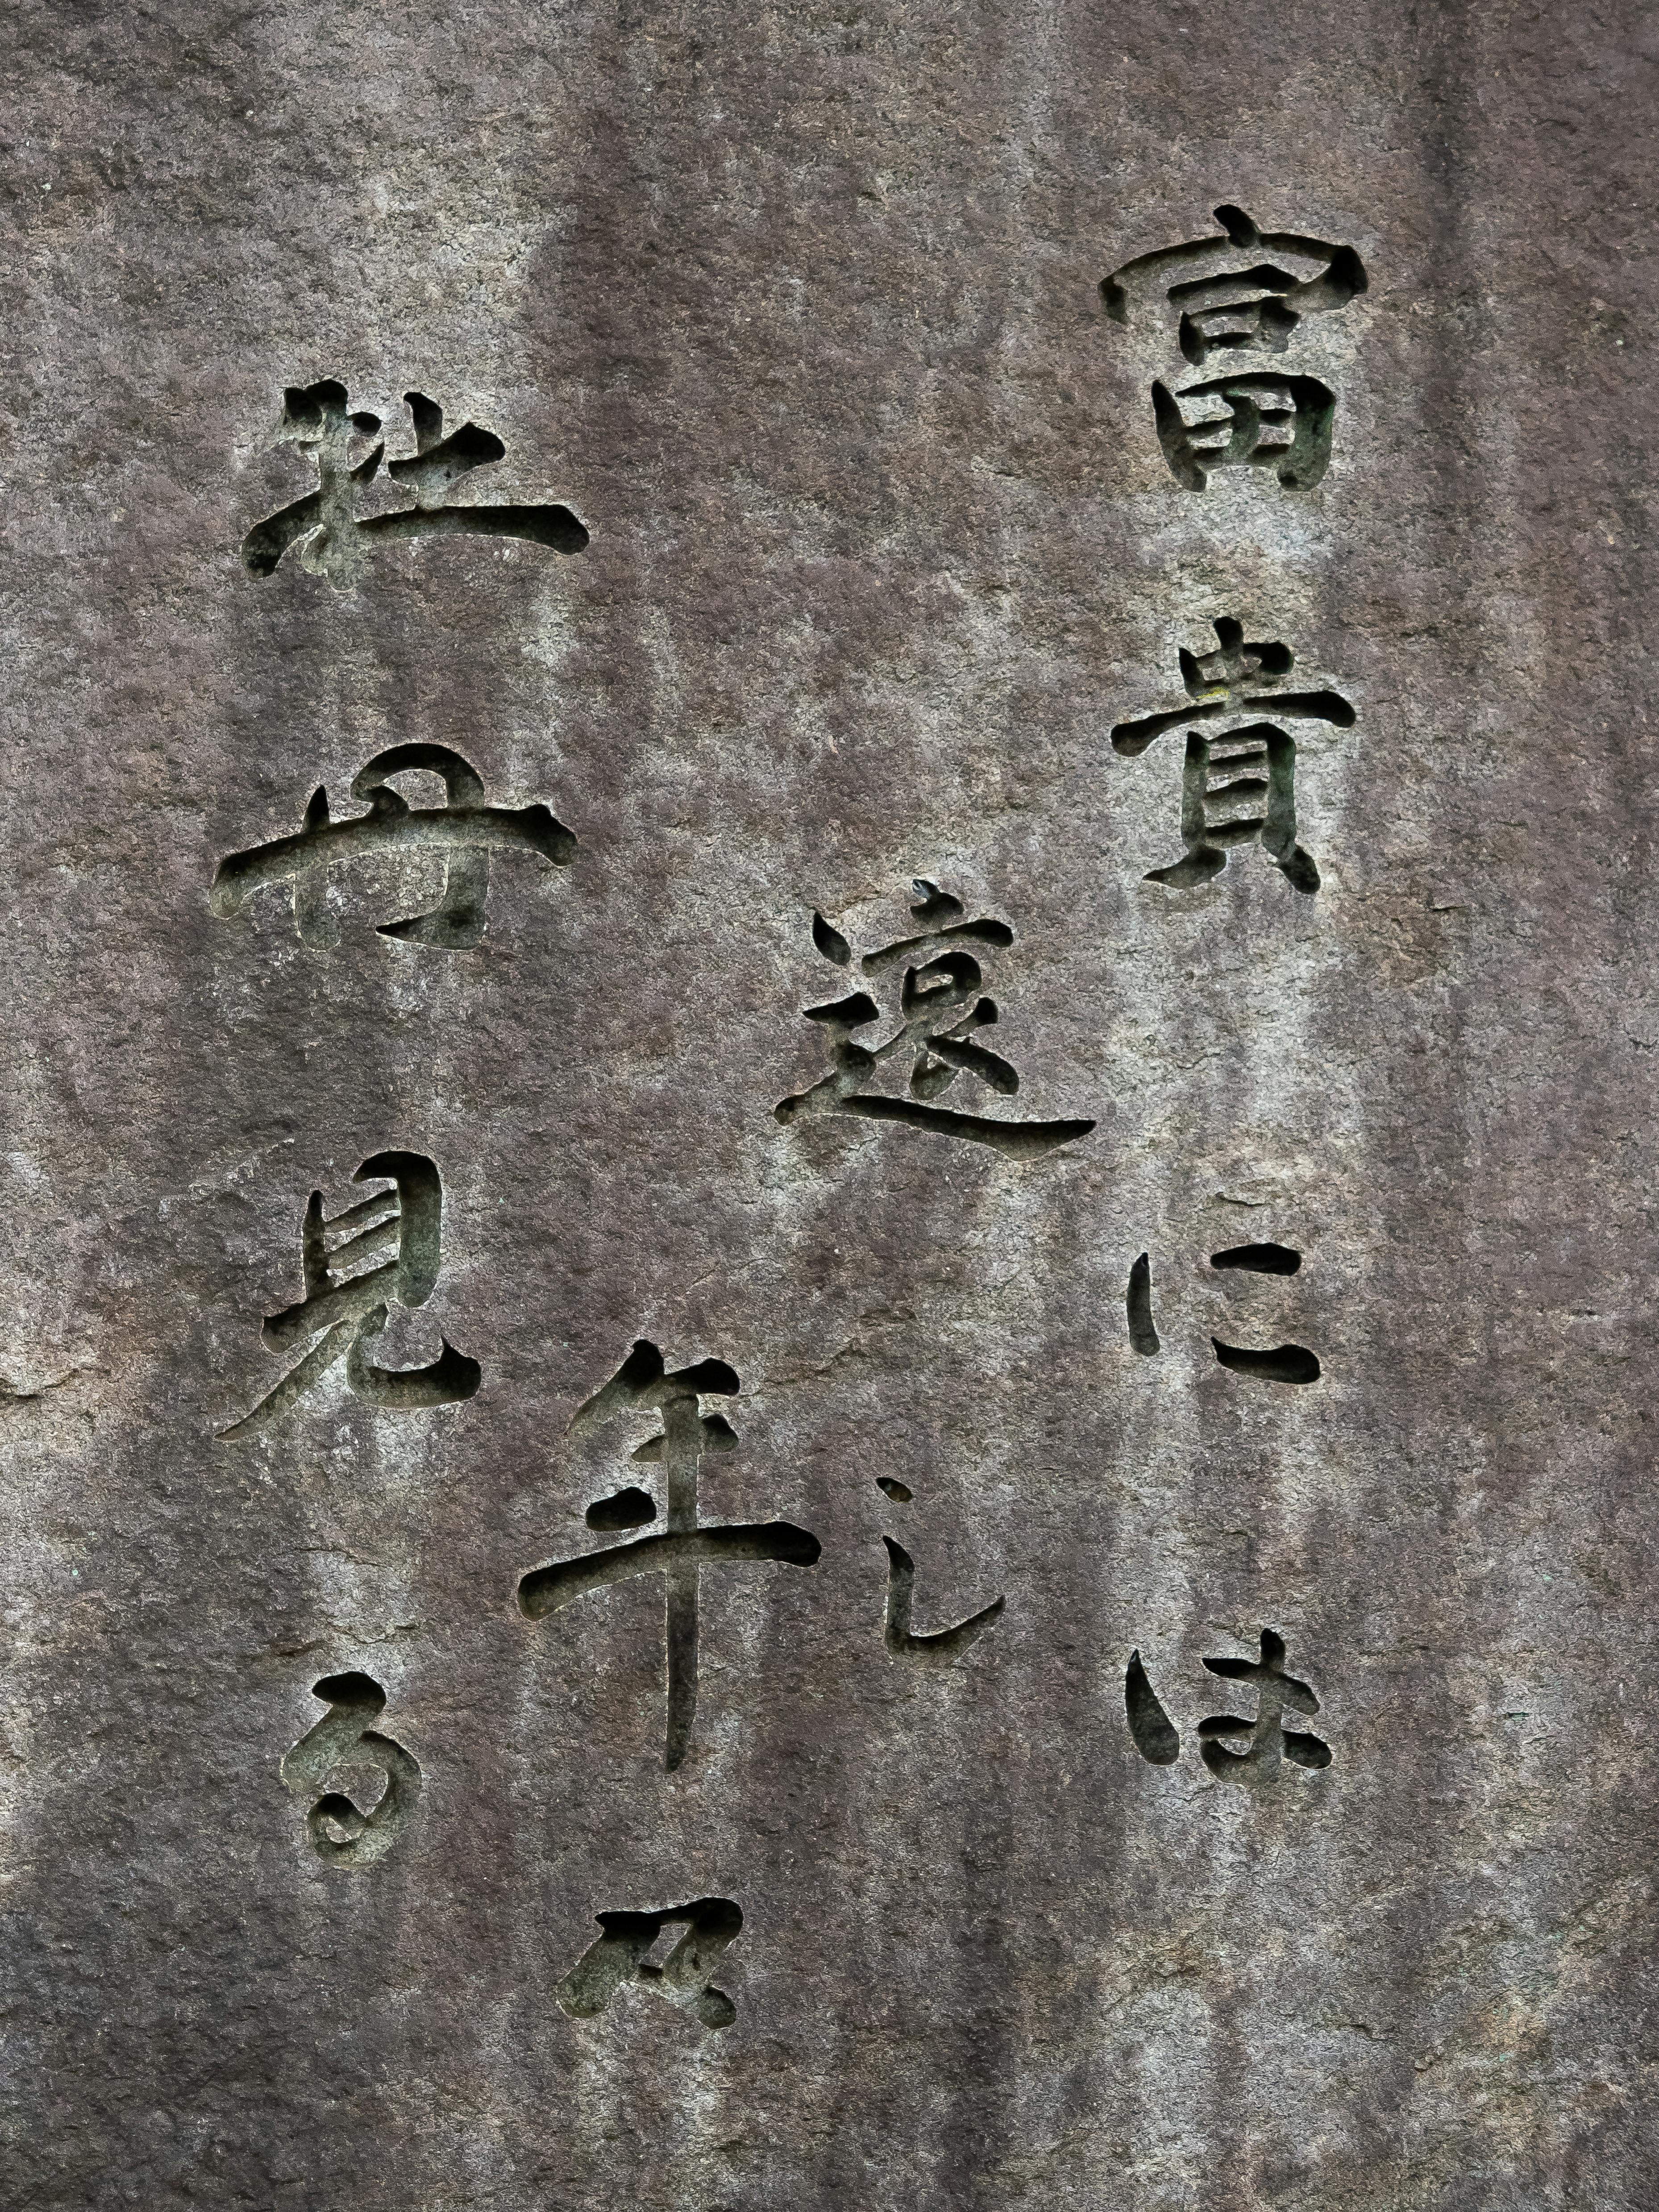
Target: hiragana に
(1283,1363)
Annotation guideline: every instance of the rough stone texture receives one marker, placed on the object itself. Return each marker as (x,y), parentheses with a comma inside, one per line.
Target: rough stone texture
(796,309)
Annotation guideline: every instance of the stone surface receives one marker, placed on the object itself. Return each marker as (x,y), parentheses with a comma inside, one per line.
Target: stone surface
(797,311)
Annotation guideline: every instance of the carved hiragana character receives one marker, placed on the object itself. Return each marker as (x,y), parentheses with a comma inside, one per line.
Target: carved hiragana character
(402,1230)
(343,1741)
(939,1013)
(335,537)
(1268,1736)
(943,1645)
(1226,298)
(1158,1742)
(686,1545)
(465,829)
(711,1923)
(1226,800)
(1285,1363)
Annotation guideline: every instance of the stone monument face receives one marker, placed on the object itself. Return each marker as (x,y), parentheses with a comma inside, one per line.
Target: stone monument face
(826,1369)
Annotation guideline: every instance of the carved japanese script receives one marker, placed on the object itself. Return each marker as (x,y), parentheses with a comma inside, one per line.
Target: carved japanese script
(687,1546)
(342,1751)
(684,1978)
(331,527)
(1281,1362)
(940,1020)
(1238,784)
(1266,1740)
(353,1266)
(1244,291)
(939,1647)
(465,829)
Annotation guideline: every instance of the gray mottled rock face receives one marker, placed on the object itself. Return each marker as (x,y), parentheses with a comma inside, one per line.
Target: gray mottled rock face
(311,1800)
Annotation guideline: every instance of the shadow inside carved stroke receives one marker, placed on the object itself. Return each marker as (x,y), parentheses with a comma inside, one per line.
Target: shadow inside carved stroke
(830,942)
(352,1822)
(372,882)
(1013,1140)
(717,1436)
(943,1646)
(941,1016)
(449,1380)
(335,525)
(334,896)
(631,1508)
(1260,1259)
(1154,1735)
(550,1589)
(1143,1335)
(1286,1362)
(631,1949)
